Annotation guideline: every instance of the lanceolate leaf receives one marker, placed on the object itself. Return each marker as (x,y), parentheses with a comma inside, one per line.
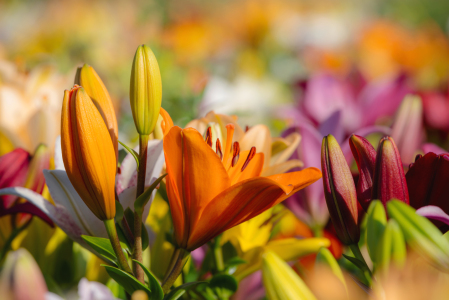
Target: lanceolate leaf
(375,226)
(153,284)
(142,200)
(180,290)
(132,152)
(102,246)
(127,281)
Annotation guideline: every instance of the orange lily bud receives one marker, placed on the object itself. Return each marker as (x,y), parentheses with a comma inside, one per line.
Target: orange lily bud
(339,191)
(88,153)
(145,91)
(94,87)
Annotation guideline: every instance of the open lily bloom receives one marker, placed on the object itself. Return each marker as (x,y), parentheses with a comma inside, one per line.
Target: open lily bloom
(211,191)
(277,151)
(70,212)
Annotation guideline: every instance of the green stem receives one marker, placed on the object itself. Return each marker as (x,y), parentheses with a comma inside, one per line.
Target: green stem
(178,260)
(113,237)
(218,254)
(356,251)
(137,251)
(7,246)
(317,231)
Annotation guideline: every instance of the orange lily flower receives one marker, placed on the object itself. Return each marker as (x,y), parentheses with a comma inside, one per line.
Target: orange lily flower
(88,153)
(211,191)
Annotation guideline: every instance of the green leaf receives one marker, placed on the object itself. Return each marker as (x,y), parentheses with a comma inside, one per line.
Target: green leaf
(375,226)
(127,281)
(102,246)
(224,285)
(325,258)
(420,233)
(163,191)
(180,290)
(132,152)
(392,247)
(153,284)
(117,290)
(123,239)
(142,200)
(359,264)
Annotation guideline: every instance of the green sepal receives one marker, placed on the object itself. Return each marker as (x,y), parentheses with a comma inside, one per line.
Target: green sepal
(127,281)
(224,285)
(424,237)
(132,152)
(180,290)
(375,226)
(142,200)
(103,247)
(358,263)
(153,284)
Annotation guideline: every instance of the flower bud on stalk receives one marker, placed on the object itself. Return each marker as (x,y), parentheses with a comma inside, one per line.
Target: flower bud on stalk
(339,191)
(145,90)
(88,153)
(96,90)
(365,157)
(389,179)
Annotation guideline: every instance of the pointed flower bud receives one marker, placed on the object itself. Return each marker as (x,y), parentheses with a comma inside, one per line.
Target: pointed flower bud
(21,278)
(389,179)
(281,282)
(13,172)
(365,157)
(339,191)
(88,153)
(146,90)
(35,180)
(408,129)
(95,88)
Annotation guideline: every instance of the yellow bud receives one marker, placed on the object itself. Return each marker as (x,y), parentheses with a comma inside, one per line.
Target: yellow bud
(94,87)
(88,153)
(145,90)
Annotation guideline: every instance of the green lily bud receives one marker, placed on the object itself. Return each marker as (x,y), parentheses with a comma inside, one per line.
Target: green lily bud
(145,90)
(281,282)
(420,234)
(376,221)
(391,249)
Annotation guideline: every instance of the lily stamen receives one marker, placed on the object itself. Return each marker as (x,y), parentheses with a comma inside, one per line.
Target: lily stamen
(251,154)
(218,149)
(209,136)
(235,154)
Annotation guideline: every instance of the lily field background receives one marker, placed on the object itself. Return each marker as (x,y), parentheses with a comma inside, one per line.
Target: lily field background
(356,89)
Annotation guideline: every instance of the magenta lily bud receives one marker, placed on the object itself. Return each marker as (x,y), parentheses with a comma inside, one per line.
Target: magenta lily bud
(339,191)
(365,157)
(13,172)
(389,179)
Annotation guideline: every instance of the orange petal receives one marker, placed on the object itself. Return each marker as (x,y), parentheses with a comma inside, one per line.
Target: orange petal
(168,122)
(173,159)
(246,200)
(204,175)
(253,169)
